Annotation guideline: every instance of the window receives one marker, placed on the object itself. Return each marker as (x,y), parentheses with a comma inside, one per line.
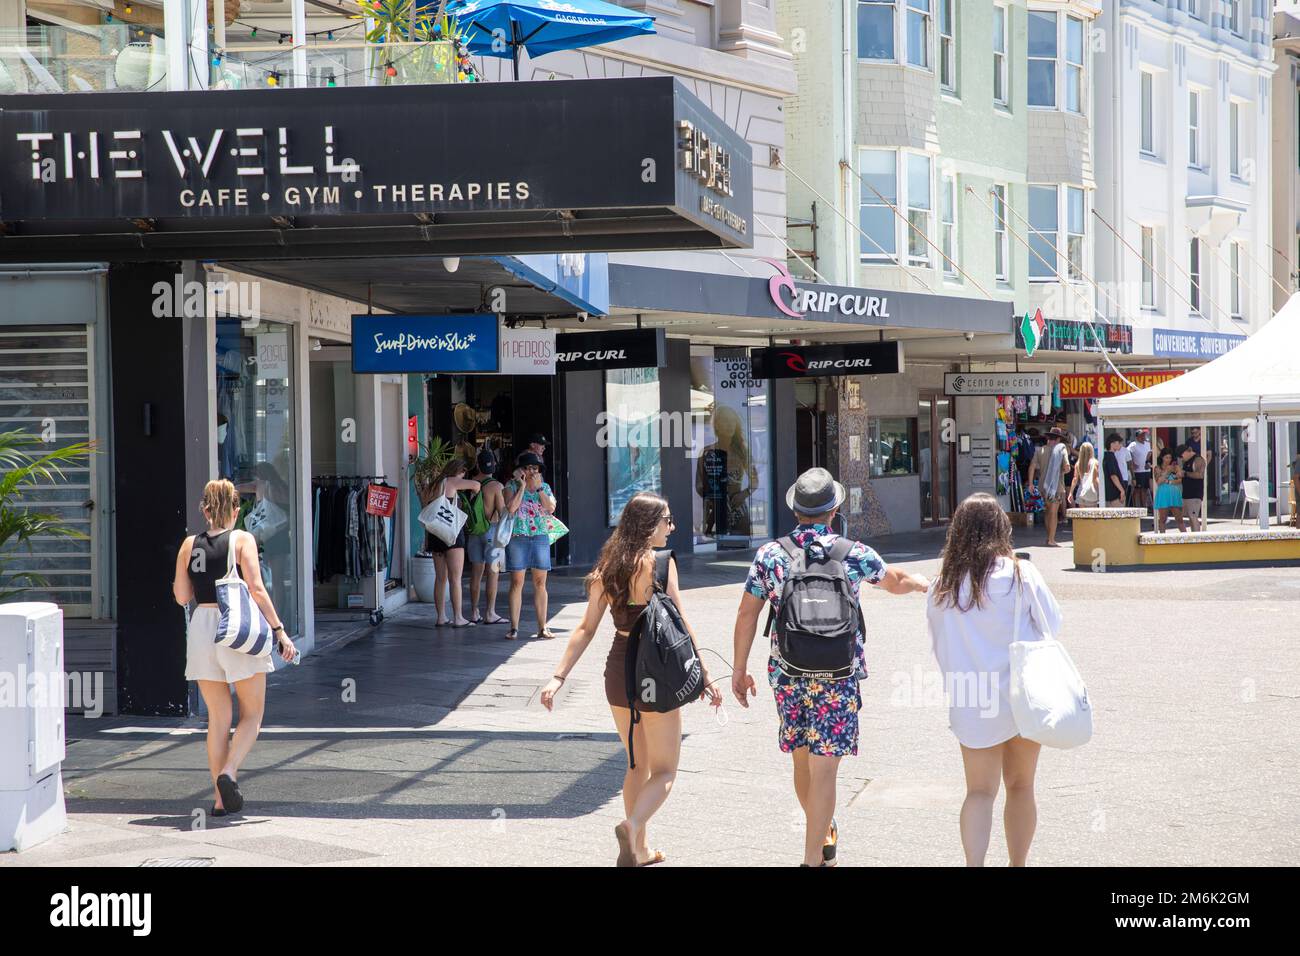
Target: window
(1075,219)
(1194,273)
(632,400)
(1232,13)
(1234,278)
(1147,119)
(876,30)
(1194,8)
(948,224)
(1234,139)
(1000,55)
(1001,250)
(891,446)
(947,46)
(1194,128)
(1148,268)
(878,169)
(1044,221)
(1074,64)
(918,33)
(1042,58)
(918,208)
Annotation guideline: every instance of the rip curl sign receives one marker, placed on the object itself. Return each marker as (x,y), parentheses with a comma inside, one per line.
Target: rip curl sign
(836,303)
(810,361)
(425,343)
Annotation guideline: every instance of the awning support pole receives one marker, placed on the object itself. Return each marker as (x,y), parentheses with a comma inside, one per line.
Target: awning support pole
(1261,466)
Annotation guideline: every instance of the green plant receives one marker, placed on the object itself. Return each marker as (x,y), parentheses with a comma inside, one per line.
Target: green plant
(426,468)
(22,469)
(432,40)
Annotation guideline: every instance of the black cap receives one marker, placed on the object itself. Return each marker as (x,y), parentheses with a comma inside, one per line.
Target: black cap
(528,458)
(538,439)
(487,462)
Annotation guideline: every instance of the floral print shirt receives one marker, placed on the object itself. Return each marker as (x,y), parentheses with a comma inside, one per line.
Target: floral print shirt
(530,519)
(767,580)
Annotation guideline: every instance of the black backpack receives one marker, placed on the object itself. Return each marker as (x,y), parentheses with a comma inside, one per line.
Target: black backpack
(663,666)
(816,629)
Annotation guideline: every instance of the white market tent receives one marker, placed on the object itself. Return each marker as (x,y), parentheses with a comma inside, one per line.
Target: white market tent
(1255,384)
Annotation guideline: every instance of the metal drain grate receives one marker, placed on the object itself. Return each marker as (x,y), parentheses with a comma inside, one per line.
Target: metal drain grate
(180,861)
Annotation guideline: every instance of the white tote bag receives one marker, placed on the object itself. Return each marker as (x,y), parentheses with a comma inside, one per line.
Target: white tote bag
(502,530)
(242,626)
(1048,698)
(443,518)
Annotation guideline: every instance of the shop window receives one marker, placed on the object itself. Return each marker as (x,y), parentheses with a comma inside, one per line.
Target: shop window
(891,447)
(632,463)
(257,450)
(729,448)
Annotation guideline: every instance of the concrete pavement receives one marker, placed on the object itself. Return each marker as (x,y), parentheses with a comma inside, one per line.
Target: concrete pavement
(412,744)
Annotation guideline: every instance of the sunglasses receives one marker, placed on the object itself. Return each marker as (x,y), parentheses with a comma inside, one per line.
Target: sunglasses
(669,519)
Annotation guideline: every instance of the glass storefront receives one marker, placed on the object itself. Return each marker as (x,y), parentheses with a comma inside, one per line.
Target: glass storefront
(256,448)
(729,449)
(635,431)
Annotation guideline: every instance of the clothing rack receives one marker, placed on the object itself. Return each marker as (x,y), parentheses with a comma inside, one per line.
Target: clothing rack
(376,614)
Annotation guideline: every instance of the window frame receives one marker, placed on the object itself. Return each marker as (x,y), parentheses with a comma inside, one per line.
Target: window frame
(1054,236)
(947,42)
(1055,60)
(1002,69)
(925,260)
(1234,282)
(1234,17)
(1070,235)
(1147,238)
(927,17)
(892,6)
(1234,139)
(1146,113)
(1067,64)
(1002,246)
(867,198)
(1194,265)
(948,236)
(1195,127)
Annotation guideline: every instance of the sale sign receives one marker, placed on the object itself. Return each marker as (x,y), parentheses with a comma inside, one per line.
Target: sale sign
(381,500)
(1103,384)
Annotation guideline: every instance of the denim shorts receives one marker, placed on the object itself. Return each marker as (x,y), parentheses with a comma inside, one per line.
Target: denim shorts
(480,550)
(528,552)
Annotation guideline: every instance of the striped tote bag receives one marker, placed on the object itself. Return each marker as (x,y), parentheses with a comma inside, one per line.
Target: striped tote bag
(242,626)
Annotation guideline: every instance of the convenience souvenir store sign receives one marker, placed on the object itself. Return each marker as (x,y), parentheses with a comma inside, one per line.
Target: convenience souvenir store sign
(383,344)
(1103,384)
(482,168)
(1067,335)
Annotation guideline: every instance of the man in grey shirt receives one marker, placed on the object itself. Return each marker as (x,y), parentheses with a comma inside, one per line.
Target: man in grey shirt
(1049,466)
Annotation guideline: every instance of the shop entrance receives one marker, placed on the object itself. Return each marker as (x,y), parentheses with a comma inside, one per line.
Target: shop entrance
(811,411)
(502,413)
(936,456)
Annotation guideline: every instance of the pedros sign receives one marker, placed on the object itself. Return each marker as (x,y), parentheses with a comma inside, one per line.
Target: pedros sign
(797,303)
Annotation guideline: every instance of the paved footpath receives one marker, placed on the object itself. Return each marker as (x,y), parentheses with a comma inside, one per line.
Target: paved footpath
(412,744)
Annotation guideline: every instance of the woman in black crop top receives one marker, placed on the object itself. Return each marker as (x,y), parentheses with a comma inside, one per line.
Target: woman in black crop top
(200,563)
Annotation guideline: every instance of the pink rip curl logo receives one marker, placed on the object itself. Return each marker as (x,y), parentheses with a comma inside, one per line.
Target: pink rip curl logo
(783,280)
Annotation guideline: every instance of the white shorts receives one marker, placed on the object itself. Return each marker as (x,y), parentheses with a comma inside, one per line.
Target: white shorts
(204,660)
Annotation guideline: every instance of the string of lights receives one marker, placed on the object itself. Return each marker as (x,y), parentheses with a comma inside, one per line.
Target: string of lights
(272,76)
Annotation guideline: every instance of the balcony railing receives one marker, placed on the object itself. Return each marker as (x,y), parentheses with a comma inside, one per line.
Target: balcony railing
(117,56)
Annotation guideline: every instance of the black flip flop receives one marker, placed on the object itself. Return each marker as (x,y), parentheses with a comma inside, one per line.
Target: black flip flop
(217,811)
(231,798)
(829,849)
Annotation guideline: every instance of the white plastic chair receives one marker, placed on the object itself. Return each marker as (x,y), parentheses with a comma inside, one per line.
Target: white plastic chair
(1248,494)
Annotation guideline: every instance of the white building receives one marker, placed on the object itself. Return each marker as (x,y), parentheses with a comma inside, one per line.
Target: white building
(1184,166)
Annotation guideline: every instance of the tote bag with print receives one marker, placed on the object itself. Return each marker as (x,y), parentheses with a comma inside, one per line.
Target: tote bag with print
(242,626)
(443,519)
(1049,700)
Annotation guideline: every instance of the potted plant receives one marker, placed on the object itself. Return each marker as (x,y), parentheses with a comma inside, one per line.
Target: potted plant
(25,468)
(425,470)
(414,42)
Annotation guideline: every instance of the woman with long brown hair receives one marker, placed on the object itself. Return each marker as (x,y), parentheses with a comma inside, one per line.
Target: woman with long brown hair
(971,613)
(622,582)
(203,560)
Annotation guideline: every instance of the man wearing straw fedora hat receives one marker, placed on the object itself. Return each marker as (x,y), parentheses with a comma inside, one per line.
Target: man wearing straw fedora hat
(818,712)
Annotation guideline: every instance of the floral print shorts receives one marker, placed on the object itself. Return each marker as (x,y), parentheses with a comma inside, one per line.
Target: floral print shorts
(820,715)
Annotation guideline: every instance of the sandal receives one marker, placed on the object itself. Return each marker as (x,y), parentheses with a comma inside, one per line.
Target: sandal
(545,634)
(831,845)
(626,855)
(656,857)
(512,634)
(217,811)
(495,620)
(231,798)
(478,618)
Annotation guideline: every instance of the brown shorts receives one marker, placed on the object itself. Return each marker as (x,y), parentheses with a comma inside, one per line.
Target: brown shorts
(616,673)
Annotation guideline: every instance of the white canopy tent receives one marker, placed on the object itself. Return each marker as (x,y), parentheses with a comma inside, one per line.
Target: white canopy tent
(1252,386)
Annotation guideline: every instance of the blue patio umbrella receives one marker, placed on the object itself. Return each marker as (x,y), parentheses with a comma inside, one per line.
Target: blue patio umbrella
(502,28)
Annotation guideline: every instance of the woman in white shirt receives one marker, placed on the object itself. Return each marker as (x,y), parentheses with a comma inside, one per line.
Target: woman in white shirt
(970,611)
